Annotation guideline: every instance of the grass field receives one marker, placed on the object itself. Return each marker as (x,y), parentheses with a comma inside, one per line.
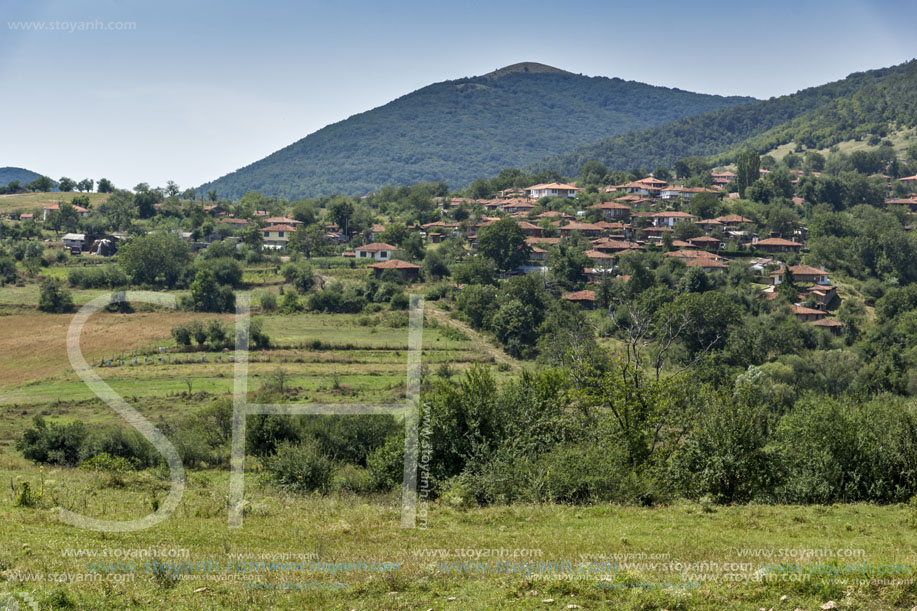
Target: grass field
(324,553)
(35,202)
(679,556)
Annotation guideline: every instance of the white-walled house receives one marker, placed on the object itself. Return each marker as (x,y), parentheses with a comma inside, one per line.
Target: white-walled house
(277,236)
(552,189)
(376,250)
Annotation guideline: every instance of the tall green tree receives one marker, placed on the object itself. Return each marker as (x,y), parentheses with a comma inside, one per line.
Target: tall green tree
(156,259)
(503,242)
(749,163)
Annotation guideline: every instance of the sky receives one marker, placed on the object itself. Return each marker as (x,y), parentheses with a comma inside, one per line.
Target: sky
(192,90)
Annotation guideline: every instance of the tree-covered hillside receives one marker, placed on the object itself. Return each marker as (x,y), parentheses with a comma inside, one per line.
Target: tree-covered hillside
(862,105)
(458,130)
(9,174)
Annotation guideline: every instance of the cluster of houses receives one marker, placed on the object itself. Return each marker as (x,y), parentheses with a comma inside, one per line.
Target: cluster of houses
(640,216)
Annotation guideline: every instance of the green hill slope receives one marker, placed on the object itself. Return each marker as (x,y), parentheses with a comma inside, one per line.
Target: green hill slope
(9,174)
(863,104)
(459,130)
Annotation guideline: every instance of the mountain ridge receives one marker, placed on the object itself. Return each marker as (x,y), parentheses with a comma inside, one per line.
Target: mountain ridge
(863,104)
(458,130)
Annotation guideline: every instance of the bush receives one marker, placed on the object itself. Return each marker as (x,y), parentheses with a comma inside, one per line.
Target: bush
(291,303)
(209,296)
(52,443)
(299,274)
(268,302)
(97,277)
(8,271)
(438,291)
(226,271)
(386,463)
(120,443)
(182,335)
(725,455)
(351,478)
(829,450)
(110,464)
(53,298)
(335,301)
(300,467)
(399,301)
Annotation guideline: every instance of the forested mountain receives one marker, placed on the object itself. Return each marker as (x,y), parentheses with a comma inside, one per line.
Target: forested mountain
(458,130)
(862,105)
(9,174)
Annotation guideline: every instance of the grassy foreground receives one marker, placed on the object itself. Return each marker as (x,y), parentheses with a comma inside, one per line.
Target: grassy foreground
(352,554)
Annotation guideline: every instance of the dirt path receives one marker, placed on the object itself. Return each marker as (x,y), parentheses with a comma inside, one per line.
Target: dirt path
(478,338)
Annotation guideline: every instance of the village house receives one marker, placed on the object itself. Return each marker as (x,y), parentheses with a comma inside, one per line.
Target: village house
(804,314)
(553,214)
(537,255)
(909,204)
(281,220)
(586,229)
(613,210)
(830,324)
(376,250)
(708,264)
(552,189)
(802,274)
(777,245)
(600,259)
(515,206)
(408,271)
(83,212)
(530,229)
(708,224)
(668,219)
(733,220)
(614,246)
(583,298)
(74,242)
(706,242)
(277,236)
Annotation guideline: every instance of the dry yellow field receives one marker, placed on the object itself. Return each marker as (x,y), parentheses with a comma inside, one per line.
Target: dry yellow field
(33,346)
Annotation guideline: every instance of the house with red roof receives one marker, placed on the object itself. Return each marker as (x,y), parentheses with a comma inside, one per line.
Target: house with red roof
(552,189)
(669,218)
(583,298)
(377,250)
(612,210)
(777,245)
(276,237)
(408,271)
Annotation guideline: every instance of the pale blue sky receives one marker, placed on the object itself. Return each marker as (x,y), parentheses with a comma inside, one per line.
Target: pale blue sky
(198,89)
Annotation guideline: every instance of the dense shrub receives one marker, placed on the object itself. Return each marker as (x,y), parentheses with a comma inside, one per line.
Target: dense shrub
(300,467)
(53,297)
(58,444)
(97,277)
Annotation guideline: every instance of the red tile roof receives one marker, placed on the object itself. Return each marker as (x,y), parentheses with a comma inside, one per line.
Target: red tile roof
(376,247)
(580,296)
(394,264)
